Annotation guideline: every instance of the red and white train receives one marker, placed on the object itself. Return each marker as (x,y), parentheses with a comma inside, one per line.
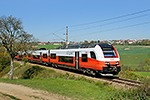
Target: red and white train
(91,58)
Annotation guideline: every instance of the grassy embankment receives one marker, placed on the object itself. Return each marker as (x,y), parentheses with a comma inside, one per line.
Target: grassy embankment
(58,83)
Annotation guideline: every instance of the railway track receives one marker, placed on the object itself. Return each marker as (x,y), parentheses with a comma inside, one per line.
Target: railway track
(128,82)
(112,80)
(124,81)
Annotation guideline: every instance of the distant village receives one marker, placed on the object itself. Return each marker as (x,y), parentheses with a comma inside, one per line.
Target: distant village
(115,42)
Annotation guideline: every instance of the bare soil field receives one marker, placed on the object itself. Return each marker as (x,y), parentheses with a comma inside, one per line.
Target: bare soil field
(20,92)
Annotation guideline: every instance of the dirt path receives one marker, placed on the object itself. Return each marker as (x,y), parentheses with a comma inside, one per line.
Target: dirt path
(26,93)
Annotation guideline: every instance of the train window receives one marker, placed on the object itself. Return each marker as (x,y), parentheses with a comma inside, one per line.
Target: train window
(109,53)
(84,57)
(36,56)
(65,59)
(93,55)
(44,55)
(53,56)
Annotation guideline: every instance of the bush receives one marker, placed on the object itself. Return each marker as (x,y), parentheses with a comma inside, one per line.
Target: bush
(140,93)
(4,60)
(145,87)
(131,94)
(130,75)
(4,71)
(31,72)
(147,61)
(47,73)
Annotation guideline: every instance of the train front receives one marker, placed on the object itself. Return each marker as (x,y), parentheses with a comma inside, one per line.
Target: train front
(109,59)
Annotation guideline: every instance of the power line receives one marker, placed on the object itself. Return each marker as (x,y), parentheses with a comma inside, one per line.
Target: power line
(109,23)
(112,29)
(122,16)
(59,37)
(51,33)
(111,18)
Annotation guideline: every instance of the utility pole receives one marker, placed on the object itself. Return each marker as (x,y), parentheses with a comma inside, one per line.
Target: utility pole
(66,36)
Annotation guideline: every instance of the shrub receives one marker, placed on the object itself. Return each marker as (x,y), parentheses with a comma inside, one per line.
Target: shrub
(145,87)
(47,73)
(147,61)
(130,75)
(4,71)
(131,94)
(31,72)
(5,60)
(4,57)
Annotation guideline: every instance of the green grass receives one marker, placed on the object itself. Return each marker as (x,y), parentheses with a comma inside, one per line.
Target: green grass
(145,74)
(133,60)
(63,84)
(133,56)
(49,46)
(70,88)
(132,49)
(131,75)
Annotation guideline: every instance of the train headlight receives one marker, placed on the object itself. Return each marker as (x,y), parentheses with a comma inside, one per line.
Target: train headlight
(107,63)
(117,63)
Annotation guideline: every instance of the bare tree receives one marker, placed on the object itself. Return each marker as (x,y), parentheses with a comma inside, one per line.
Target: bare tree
(14,38)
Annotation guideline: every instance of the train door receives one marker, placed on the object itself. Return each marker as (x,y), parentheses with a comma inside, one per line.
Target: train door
(31,57)
(40,57)
(77,60)
(48,56)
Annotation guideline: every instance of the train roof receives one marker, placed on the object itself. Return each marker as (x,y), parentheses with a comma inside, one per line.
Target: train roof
(103,45)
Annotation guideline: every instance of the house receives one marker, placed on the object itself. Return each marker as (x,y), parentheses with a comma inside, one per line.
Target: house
(42,43)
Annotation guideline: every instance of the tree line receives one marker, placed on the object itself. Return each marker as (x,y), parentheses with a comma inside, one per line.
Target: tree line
(115,42)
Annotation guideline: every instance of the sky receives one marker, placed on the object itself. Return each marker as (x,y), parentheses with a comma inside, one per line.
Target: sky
(86,19)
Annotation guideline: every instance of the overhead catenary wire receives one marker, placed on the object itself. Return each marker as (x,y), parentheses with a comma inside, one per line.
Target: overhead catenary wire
(111,18)
(59,37)
(52,32)
(111,29)
(109,23)
(104,20)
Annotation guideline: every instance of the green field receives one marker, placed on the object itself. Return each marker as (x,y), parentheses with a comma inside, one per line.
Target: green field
(145,74)
(49,46)
(133,56)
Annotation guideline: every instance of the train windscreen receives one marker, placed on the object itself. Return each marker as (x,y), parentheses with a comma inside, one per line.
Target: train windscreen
(109,53)
(108,50)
